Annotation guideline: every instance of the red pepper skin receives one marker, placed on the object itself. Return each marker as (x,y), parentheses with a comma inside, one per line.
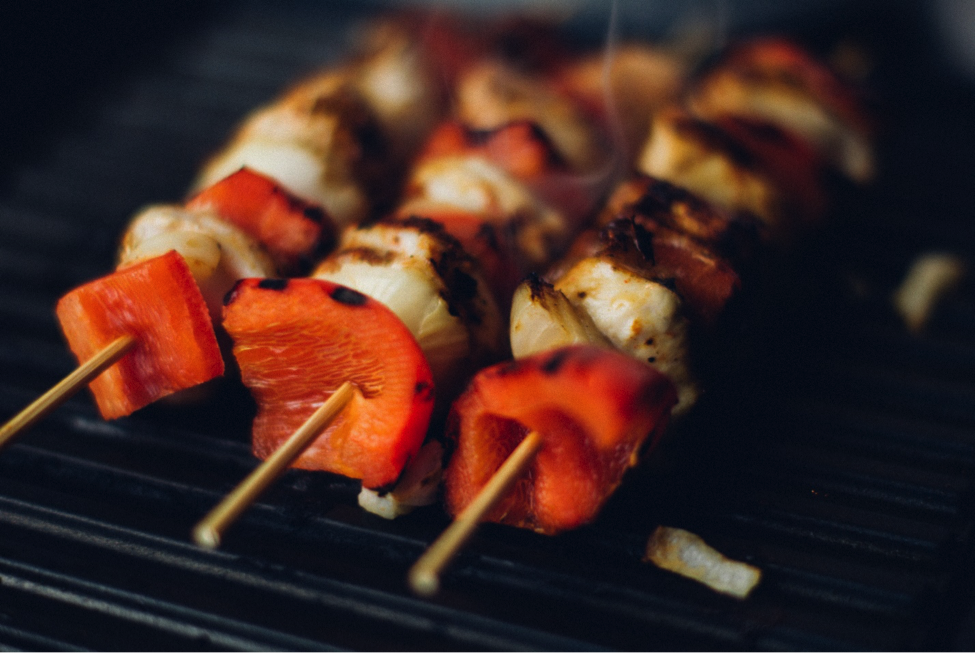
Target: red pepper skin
(595,409)
(520,147)
(158,302)
(293,230)
(297,341)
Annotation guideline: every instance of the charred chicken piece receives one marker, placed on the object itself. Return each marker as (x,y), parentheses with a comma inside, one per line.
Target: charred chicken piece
(321,141)
(512,177)
(613,297)
(657,206)
(641,315)
(703,278)
(775,81)
(340,137)
(736,167)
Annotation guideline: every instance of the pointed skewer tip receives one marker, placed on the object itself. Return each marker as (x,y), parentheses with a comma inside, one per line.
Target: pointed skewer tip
(207,532)
(424,582)
(79,378)
(206,537)
(424,576)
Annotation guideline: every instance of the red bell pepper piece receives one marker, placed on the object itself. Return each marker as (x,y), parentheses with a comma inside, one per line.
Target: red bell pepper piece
(595,410)
(297,341)
(291,229)
(156,301)
(520,148)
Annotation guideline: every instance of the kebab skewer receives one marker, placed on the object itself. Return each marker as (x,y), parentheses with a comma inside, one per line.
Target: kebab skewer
(499,180)
(323,140)
(417,269)
(145,331)
(733,149)
(330,138)
(494,95)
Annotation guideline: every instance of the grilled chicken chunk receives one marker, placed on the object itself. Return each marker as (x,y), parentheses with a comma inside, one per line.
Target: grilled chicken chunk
(640,316)
(492,94)
(658,205)
(745,168)
(542,318)
(339,138)
(705,280)
(775,81)
(320,141)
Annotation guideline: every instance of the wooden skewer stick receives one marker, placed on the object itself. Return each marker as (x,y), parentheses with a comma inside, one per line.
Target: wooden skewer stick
(210,529)
(424,576)
(70,384)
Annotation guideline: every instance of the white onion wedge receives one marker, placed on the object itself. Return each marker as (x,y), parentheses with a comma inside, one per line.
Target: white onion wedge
(685,553)
(418,486)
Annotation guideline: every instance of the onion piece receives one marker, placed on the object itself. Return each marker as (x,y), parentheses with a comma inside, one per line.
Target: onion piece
(685,553)
(930,278)
(414,296)
(641,317)
(418,486)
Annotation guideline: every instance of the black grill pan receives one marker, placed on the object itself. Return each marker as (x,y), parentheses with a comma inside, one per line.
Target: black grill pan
(838,459)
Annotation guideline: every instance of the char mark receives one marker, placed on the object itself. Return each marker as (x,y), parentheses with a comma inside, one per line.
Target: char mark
(273,284)
(348,296)
(555,361)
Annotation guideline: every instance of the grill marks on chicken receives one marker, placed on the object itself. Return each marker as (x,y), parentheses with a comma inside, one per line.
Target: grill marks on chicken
(342,137)
(716,184)
(424,276)
(774,81)
(513,179)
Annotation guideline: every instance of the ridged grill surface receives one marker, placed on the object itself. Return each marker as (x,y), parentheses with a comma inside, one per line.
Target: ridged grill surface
(838,458)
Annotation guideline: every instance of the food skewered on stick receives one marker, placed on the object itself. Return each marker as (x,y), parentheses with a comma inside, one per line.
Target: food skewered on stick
(407,277)
(413,266)
(752,171)
(299,344)
(209,531)
(646,283)
(546,441)
(333,139)
(493,188)
(496,149)
(668,250)
(340,137)
(140,333)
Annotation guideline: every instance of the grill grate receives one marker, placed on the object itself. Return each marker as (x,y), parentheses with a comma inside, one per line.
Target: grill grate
(841,464)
